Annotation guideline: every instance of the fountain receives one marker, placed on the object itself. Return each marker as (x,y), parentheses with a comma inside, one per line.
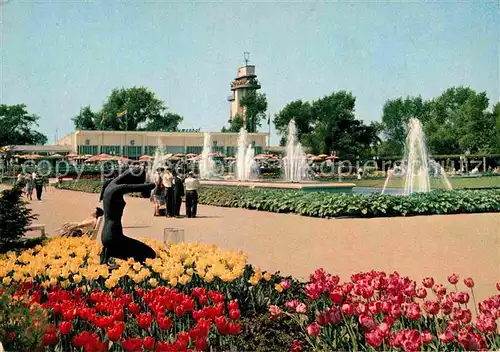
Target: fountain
(417,166)
(294,164)
(158,161)
(245,163)
(206,162)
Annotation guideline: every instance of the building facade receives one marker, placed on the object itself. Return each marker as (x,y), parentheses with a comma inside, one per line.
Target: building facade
(133,144)
(245,81)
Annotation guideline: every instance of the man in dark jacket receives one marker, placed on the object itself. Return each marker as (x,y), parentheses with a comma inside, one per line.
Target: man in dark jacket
(178,194)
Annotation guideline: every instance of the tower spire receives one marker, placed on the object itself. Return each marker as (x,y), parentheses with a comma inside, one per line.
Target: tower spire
(246,56)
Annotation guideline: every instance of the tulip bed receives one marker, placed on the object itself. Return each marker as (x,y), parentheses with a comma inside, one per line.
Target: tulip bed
(199,297)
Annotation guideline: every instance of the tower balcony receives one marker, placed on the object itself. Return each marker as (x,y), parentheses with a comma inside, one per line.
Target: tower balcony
(230,98)
(251,83)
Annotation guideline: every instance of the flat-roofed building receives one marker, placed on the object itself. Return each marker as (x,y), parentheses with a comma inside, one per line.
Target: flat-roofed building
(133,144)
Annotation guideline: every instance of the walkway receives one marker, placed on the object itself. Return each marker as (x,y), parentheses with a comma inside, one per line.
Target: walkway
(416,246)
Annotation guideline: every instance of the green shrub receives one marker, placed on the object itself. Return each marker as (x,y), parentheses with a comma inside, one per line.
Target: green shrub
(321,204)
(15,216)
(21,325)
(327,205)
(85,185)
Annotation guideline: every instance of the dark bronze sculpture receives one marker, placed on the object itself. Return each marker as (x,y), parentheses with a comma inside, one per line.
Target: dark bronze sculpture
(115,243)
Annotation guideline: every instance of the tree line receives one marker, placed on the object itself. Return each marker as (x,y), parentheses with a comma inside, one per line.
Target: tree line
(456,122)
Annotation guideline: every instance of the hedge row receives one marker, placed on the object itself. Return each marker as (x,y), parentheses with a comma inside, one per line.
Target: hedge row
(320,204)
(325,205)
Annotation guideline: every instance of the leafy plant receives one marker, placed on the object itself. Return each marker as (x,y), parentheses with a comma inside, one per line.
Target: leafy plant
(15,216)
(21,324)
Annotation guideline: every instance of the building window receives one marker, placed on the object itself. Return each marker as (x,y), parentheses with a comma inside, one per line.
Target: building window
(215,143)
(132,142)
(87,142)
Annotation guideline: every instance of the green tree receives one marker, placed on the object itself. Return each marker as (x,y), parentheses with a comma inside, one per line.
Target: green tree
(235,125)
(496,134)
(459,121)
(86,119)
(254,106)
(299,111)
(395,116)
(167,122)
(143,111)
(329,124)
(18,127)
(15,216)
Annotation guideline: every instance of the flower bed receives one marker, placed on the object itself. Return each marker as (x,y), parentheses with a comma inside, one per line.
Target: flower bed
(325,205)
(196,297)
(319,204)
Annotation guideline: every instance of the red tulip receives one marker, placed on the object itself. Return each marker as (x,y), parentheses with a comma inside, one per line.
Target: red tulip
(65,327)
(428,282)
(50,339)
(336,297)
(313,329)
(347,309)
(421,292)
(498,286)
(222,325)
(469,282)
(453,279)
(447,336)
(431,307)
(234,314)
(373,338)
(164,323)
(426,336)
(134,308)
(179,311)
(234,328)
(144,320)
(216,296)
(149,343)
(296,346)
(233,304)
(132,344)
(274,311)
(114,334)
(200,344)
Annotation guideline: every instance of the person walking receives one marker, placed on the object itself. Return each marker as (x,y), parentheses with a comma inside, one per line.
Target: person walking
(178,194)
(169,192)
(192,186)
(29,187)
(39,185)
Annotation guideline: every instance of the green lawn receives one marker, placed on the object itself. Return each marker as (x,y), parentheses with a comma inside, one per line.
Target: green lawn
(456,182)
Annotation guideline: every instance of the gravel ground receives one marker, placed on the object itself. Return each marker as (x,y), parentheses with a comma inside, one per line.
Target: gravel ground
(421,246)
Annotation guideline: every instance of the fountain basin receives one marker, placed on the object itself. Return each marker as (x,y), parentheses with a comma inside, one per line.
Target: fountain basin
(300,186)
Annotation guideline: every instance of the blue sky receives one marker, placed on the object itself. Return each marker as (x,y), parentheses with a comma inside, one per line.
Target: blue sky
(57,56)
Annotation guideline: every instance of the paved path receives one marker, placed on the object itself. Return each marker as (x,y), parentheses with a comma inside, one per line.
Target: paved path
(421,246)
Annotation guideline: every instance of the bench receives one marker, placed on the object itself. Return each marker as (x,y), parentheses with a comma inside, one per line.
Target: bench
(38,227)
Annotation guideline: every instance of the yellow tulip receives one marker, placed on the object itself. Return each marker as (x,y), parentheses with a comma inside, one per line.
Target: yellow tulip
(172,282)
(6,280)
(278,288)
(77,279)
(267,276)
(153,282)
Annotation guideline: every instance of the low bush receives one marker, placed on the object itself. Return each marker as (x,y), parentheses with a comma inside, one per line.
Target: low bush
(321,204)
(326,205)
(85,185)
